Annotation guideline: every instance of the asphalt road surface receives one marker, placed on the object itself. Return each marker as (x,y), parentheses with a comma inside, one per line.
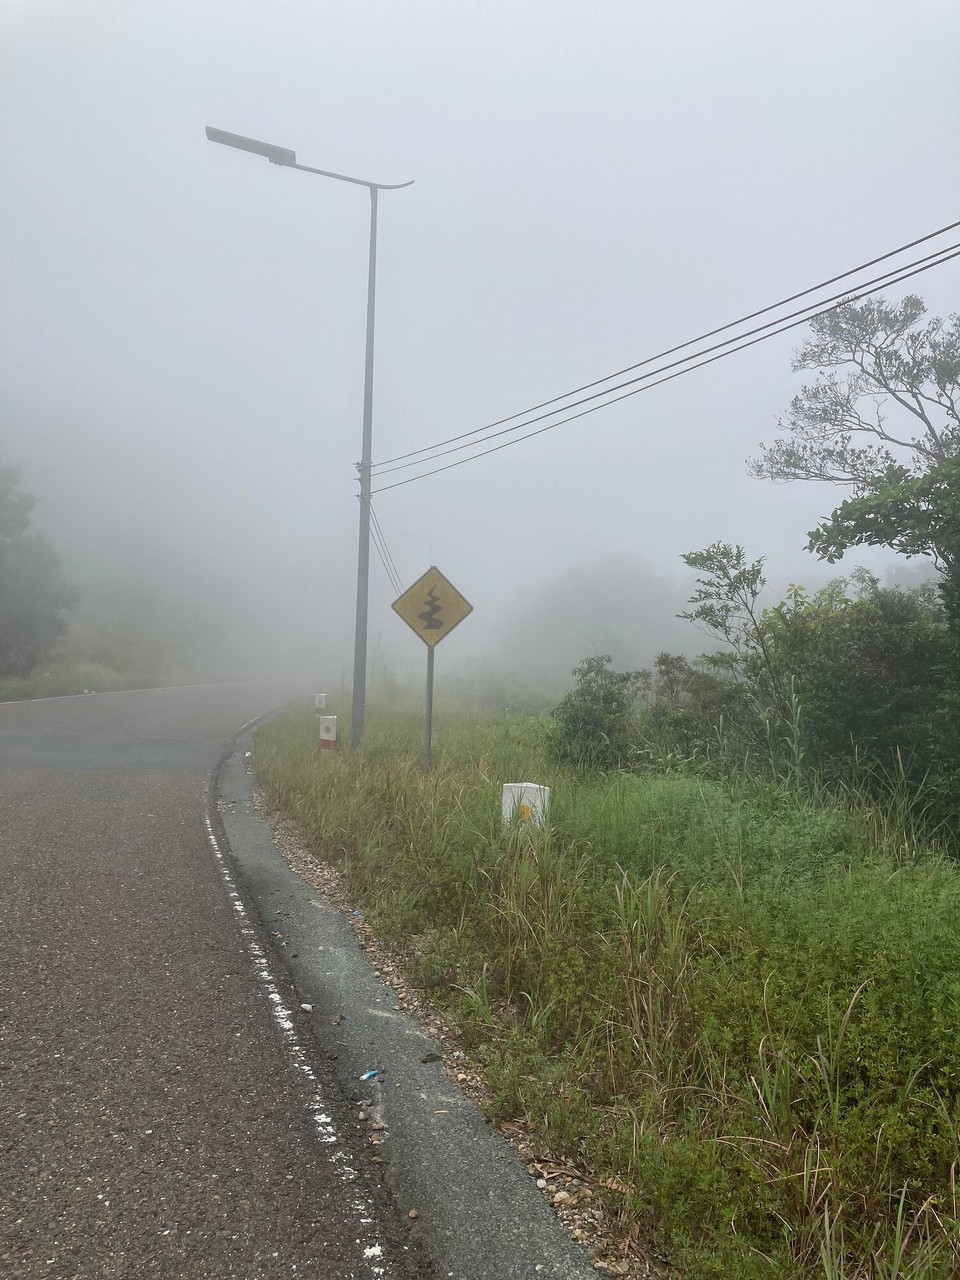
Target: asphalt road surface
(156,1119)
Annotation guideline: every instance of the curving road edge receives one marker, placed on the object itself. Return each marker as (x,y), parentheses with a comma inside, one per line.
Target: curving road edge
(479,1214)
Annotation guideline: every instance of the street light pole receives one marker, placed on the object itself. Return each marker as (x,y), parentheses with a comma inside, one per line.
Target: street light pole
(288,159)
(358,704)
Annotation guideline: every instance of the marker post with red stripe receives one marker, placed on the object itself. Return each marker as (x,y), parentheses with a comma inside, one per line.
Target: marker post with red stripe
(326,725)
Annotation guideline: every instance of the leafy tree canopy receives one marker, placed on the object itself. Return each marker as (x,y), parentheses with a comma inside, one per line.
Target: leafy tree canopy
(883,416)
(887,392)
(34,596)
(855,672)
(867,664)
(913,514)
(725,605)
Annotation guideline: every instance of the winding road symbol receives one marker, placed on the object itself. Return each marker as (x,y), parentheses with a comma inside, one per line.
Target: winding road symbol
(432,607)
(431,614)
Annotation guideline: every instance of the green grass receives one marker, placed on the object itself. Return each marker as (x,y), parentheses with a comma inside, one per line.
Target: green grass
(60,677)
(743,1004)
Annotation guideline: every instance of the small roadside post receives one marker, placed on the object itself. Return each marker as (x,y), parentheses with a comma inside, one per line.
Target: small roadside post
(432,607)
(326,725)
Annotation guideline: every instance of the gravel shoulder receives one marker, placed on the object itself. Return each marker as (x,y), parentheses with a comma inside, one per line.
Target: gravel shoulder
(459,1180)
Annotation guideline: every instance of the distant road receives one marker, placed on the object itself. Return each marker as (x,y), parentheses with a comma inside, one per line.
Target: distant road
(153,1119)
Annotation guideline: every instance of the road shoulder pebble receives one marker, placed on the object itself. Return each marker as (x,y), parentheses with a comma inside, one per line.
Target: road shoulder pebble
(580,1207)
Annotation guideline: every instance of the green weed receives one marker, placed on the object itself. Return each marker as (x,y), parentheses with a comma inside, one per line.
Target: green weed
(737,998)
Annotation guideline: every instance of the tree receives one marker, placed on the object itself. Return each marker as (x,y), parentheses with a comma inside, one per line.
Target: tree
(34,596)
(883,417)
(596,720)
(875,360)
(726,607)
(867,664)
(913,514)
(854,673)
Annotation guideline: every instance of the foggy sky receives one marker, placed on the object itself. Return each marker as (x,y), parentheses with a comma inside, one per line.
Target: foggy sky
(181,326)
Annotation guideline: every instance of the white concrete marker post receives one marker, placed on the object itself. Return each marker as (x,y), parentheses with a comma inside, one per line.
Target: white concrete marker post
(327,739)
(326,725)
(526,803)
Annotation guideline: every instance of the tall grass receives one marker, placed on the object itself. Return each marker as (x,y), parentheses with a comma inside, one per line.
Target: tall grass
(741,1004)
(60,677)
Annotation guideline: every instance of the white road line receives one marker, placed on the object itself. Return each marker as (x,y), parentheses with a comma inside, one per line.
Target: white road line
(283,1018)
(106,693)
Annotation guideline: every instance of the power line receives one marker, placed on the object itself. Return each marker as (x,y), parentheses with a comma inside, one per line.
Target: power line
(377,537)
(806,312)
(952,251)
(383,559)
(383,538)
(732,324)
(669,378)
(383,551)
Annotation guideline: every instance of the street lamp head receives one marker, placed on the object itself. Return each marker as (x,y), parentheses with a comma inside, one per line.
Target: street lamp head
(276,155)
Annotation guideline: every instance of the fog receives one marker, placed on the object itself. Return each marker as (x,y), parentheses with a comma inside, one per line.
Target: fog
(182,325)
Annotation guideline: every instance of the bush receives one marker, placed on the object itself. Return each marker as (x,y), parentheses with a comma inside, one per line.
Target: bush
(869,673)
(596,721)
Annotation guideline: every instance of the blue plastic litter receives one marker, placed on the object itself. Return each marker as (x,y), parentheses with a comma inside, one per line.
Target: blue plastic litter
(368,1075)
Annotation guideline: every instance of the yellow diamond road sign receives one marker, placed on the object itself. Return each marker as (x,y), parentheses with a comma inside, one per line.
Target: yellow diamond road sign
(432,607)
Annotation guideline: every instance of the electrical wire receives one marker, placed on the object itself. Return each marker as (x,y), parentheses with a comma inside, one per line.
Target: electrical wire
(383,550)
(732,324)
(383,538)
(376,538)
(806,312)
(669,378)
(945,255)
(383,559)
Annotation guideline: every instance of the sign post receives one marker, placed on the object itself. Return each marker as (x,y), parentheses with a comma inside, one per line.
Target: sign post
(428,731)
(432,607)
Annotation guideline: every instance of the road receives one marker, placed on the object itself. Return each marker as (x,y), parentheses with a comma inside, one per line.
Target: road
(160,1115)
